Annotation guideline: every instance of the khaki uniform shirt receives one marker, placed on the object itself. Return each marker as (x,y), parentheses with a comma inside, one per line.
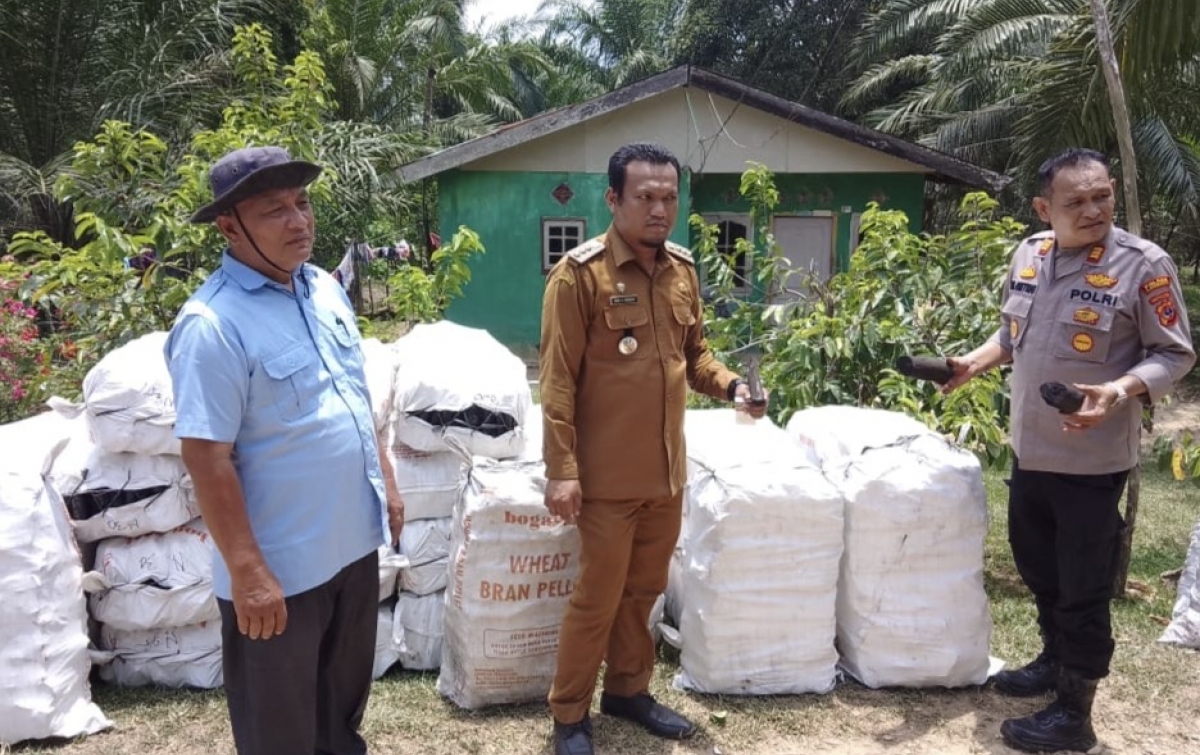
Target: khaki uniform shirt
(614,420)
(1090,316)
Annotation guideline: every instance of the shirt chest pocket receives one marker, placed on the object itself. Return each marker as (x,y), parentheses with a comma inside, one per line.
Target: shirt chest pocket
(1016,317)
(1084,333)
(345,334)
(294,381)
(624,335)
(682,309)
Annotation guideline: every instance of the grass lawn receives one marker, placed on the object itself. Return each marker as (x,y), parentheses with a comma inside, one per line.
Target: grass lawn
(1149,705)
(1191,299)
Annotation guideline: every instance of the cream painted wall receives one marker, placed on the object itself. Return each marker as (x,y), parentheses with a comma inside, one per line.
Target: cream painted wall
(699,129)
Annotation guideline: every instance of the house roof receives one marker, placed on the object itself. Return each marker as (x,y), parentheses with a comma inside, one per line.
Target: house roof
(941,166)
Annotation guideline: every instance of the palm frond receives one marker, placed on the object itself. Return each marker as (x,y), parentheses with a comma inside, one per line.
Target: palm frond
(1170,162)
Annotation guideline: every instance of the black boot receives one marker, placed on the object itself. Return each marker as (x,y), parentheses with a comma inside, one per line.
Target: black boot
(1065,725)
(1036,678)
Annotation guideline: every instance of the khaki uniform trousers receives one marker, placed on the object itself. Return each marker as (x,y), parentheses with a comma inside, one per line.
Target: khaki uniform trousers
(626,549)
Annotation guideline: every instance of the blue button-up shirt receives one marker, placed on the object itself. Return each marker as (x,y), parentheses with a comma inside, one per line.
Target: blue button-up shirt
(279,374)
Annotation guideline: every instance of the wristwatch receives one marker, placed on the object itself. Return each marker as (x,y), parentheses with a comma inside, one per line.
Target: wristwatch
(733,386)
(1121,394)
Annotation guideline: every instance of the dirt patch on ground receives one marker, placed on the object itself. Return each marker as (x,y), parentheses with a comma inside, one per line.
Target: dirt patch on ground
(406,717)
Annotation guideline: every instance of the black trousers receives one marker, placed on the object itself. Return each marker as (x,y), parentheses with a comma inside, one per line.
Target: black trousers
(1064,532)
(304,692)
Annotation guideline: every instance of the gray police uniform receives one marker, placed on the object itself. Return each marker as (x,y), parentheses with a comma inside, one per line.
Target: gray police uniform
(1083,316)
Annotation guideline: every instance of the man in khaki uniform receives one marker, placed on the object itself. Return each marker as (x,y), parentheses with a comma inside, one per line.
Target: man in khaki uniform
(622,339)
(1091,305)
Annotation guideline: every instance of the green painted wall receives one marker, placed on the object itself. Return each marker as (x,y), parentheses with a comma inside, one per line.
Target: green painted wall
(506,210)
(716,193)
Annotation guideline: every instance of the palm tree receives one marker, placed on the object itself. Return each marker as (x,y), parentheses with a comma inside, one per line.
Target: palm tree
(611,42)
(70,64)
(1007,82)
(412,65)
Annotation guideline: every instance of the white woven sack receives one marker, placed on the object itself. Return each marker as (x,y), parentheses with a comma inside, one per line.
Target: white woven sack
(387,647)
(1184,629)
(129,399)
(426,544)
(514,568)
(69,468)
(160,511)
(379,363)
(43,621)
(149,607)
(535,434)
(426,540)
(759,557)
(418,629)
(173,657)
(912,610)
(178,558)
(128,471)
(430,482)
(425,579)
(832,434)
(465,372)
(390,564)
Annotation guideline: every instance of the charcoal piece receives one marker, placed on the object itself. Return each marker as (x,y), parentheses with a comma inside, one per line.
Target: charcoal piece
(1064,398)
(83,506)
(936,369)
(478,419)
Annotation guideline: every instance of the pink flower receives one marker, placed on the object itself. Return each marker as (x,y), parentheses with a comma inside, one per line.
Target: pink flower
(18,392)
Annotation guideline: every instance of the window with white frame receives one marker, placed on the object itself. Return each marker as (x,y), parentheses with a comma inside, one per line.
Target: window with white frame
(730,230)
(559,236)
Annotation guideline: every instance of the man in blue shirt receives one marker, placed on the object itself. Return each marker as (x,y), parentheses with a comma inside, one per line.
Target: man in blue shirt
(277,434)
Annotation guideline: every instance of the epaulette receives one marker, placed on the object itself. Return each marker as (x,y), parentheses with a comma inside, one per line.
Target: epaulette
(1127,239)
(586,251)
(682,252)
(1041,235)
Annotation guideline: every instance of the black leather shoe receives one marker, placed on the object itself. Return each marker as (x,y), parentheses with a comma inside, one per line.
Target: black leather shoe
(573,739)
(643,709)
(1036,678)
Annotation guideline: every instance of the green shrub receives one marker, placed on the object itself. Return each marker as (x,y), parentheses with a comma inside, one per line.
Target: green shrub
(903,294)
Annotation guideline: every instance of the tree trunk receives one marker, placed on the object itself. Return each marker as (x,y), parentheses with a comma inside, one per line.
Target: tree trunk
(1133,212)
(426,211)
(1116,96)
(1125,543)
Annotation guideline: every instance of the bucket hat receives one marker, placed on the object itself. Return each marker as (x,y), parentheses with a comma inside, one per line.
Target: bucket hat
(246,172)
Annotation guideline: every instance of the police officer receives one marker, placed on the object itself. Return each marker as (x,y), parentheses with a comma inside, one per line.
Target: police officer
(1087,304)
(622,339)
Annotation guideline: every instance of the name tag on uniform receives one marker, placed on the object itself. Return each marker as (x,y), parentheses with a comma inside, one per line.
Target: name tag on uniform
(616,300)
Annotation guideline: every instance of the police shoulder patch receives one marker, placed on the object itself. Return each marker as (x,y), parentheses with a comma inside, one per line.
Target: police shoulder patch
(586,251)
(1041,242)
(682,252)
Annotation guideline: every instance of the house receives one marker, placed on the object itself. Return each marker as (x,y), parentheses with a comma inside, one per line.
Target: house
(535,189)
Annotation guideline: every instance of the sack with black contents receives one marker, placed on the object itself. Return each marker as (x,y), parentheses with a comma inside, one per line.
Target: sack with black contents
(460,389)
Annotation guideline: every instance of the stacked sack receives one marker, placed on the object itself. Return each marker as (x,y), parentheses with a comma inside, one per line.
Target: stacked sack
(43,618)
(514,568)
(456,393)
(754,583)
(132,500)
(911,608)
(379,365)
